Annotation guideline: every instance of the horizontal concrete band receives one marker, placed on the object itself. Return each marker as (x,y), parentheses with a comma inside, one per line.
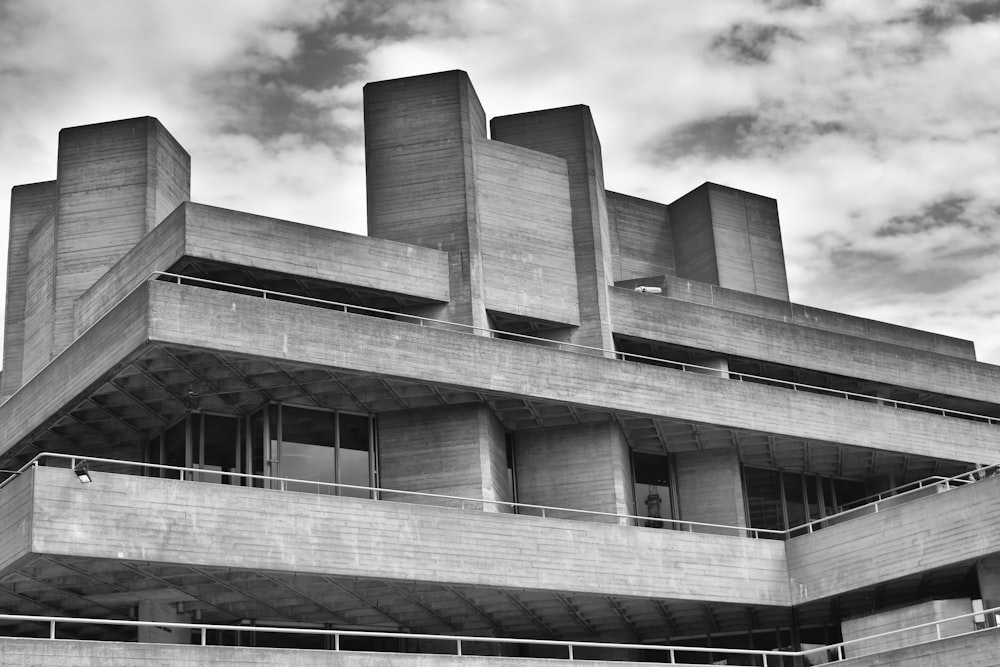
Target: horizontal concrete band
(794,344)
(167,313)
(145,519)
(943,529)
(17,651)
(266,244)
(245,325)
(47,511)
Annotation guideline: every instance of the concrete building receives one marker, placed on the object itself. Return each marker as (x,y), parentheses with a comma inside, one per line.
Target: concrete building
(523,407)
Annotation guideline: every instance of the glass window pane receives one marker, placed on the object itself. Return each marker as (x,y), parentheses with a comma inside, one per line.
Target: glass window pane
(308,452)
(764,499)
(175,448)
(153,455)
(652,487)
(848,492)
(812,498)
(221,438)
(794,502)
(354,459)
(257,446)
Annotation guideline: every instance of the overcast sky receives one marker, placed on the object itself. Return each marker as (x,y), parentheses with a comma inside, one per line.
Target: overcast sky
(875,124)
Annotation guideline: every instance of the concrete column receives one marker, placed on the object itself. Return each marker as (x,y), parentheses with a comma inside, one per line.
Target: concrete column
(164,612)
(454,450)
(569,133)
(730,238)
(710,487)
(585,466)
(30,206)
(116,181)
(420,166)
(988,570)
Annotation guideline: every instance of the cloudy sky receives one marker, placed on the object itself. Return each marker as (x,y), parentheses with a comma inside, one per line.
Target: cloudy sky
(874,124)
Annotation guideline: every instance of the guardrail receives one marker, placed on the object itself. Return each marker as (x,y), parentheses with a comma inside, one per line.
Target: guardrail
(560,345)
(666,654)
(544,511)
(548,342)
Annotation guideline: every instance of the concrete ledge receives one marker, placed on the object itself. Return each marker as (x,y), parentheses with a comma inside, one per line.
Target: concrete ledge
(939,530)
(202,318)
(794,343)
(975,650)
(256,242)
(16,651)
(125,517)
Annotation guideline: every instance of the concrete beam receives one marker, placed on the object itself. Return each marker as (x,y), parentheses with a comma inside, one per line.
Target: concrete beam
(932,532)
(792,344)
(169,521)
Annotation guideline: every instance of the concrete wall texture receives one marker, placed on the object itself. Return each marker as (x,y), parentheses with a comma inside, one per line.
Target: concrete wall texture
(495,229)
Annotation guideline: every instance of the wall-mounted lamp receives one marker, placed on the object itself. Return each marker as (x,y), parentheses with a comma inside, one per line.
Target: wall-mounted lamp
(82,471)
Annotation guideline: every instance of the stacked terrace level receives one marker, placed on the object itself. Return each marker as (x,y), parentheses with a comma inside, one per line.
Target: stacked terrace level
(469,422)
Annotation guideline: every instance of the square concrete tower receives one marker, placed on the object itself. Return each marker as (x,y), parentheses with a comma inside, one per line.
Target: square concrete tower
(115,181)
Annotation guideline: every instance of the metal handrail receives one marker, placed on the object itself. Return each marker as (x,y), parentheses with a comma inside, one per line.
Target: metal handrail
(677,524)
(671,650)
(874,506)
(688,526)
(561,345)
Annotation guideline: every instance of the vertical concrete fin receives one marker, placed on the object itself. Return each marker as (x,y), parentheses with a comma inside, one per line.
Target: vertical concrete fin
(116,181)
(569,133)
(30,207)
(420,172)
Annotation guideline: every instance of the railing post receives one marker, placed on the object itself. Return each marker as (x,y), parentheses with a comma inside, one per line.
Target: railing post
(840,652)
(336,641)
(570,647)
(458,644)
(204,636)
(52,629)
(937,630)
(673,657)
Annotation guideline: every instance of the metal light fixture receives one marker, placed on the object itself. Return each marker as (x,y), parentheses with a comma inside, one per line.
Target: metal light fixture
(82,471)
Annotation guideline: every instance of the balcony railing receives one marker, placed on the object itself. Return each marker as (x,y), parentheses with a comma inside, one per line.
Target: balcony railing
(664,654)
(882,502)
(560,345)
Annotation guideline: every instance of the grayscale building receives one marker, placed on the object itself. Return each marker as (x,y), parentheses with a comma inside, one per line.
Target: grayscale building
(523,407)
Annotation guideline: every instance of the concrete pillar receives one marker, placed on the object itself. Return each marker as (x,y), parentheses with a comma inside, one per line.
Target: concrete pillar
(454,450)
(163,612)
(115,182)
(729,238)
(421,176)
(584,466)
(30,207)
(710,487)
(569,133)
(988,570)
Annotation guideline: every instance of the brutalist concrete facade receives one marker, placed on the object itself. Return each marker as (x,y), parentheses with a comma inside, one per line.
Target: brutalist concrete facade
(522,407)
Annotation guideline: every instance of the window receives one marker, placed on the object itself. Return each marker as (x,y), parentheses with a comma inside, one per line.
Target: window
(651,475)
(779,500)
(316,448)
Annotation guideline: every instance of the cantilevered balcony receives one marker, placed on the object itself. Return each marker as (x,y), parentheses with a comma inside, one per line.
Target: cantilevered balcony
(223,350)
